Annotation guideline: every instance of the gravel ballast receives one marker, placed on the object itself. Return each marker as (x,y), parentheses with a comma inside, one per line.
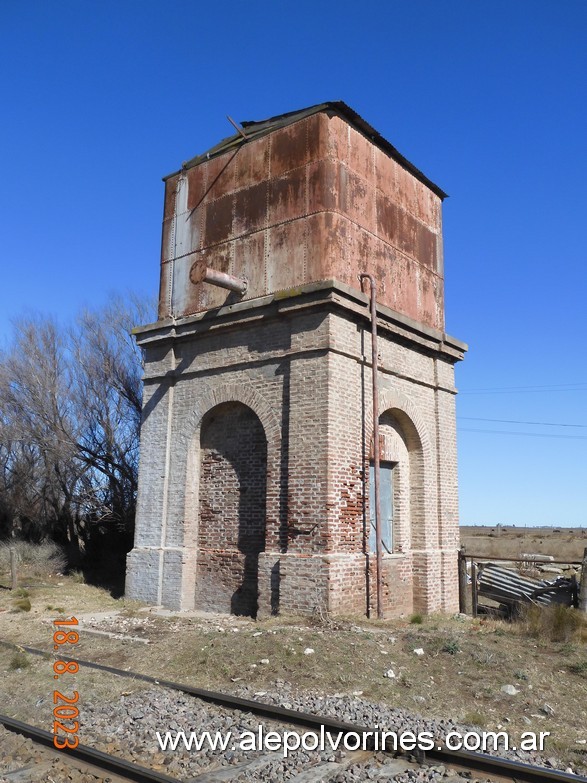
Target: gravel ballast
(128,727)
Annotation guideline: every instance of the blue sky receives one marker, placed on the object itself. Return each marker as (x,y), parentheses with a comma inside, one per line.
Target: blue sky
(489,99)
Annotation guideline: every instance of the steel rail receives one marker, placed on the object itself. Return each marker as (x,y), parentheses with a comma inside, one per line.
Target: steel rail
(87,755)
(471,760)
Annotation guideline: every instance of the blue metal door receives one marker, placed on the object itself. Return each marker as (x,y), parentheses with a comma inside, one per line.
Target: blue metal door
(386,502)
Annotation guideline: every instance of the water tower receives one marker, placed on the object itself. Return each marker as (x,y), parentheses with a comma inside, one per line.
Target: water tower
(258,451)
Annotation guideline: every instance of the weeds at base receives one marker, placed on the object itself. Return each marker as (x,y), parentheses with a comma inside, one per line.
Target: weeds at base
(22,605)
(19,661)
(556,622)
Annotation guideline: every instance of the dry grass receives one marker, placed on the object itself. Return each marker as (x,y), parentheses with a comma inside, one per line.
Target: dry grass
(19,661)
(557,623)
(21,605)
(565,544)
(39,560)
(460,675)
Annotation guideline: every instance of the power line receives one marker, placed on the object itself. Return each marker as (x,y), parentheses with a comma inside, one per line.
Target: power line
(528,390)
(516,421)
(547,386)
(527,434)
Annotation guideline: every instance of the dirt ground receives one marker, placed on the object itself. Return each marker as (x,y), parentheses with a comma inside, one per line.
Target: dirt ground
(460,675)
(564,543)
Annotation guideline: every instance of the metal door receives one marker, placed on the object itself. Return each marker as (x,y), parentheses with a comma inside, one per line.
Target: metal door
(386,503)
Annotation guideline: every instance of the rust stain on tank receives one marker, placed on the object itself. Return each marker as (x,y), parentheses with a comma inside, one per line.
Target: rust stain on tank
(289,149)
(169,203)
(252,163)
(220,176)
(218,221)
(426,246)
(286,256)
(313,200)
(249,262)
(287,197)
(250,209)
(323,185)
(196,187)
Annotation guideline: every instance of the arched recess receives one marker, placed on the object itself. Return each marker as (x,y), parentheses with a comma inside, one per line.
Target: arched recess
(232,497)
(404,441)
(229,392)
(183,503)
(400,447)
(410,426)
(186,456)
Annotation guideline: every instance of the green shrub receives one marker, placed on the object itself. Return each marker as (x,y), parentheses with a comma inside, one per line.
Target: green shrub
(416,619)
(451,646)
(579,668)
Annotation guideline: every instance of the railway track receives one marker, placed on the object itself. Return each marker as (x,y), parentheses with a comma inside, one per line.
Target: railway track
(89,760)
(490,766)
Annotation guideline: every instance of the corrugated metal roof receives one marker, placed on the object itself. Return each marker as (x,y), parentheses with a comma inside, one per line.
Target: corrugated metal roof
(254,129)
(507,586)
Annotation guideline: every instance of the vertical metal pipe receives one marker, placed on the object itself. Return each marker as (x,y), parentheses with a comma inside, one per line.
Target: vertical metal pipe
(376,469)
(462,581)
(583,584)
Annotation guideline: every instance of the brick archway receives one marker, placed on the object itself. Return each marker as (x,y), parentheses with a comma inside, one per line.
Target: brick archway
(231,392)
(419,482)
(231,509)
(187,464)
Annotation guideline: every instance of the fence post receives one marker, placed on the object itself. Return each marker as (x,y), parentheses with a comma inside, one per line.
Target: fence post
(13,570)
(462,581)
(574,592)
(474,597)
(583,584)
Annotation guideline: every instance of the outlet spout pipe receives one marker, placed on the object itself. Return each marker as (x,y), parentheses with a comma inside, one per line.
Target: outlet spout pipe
(200,273)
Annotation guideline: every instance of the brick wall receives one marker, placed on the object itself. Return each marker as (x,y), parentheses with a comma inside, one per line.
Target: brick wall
(232,509)
(294,384)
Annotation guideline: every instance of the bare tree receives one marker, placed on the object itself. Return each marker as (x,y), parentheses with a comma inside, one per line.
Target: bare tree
(108,370)
(40,430)
(70,407)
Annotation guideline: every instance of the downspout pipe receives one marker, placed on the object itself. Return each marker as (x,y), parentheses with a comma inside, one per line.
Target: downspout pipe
(376,467)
